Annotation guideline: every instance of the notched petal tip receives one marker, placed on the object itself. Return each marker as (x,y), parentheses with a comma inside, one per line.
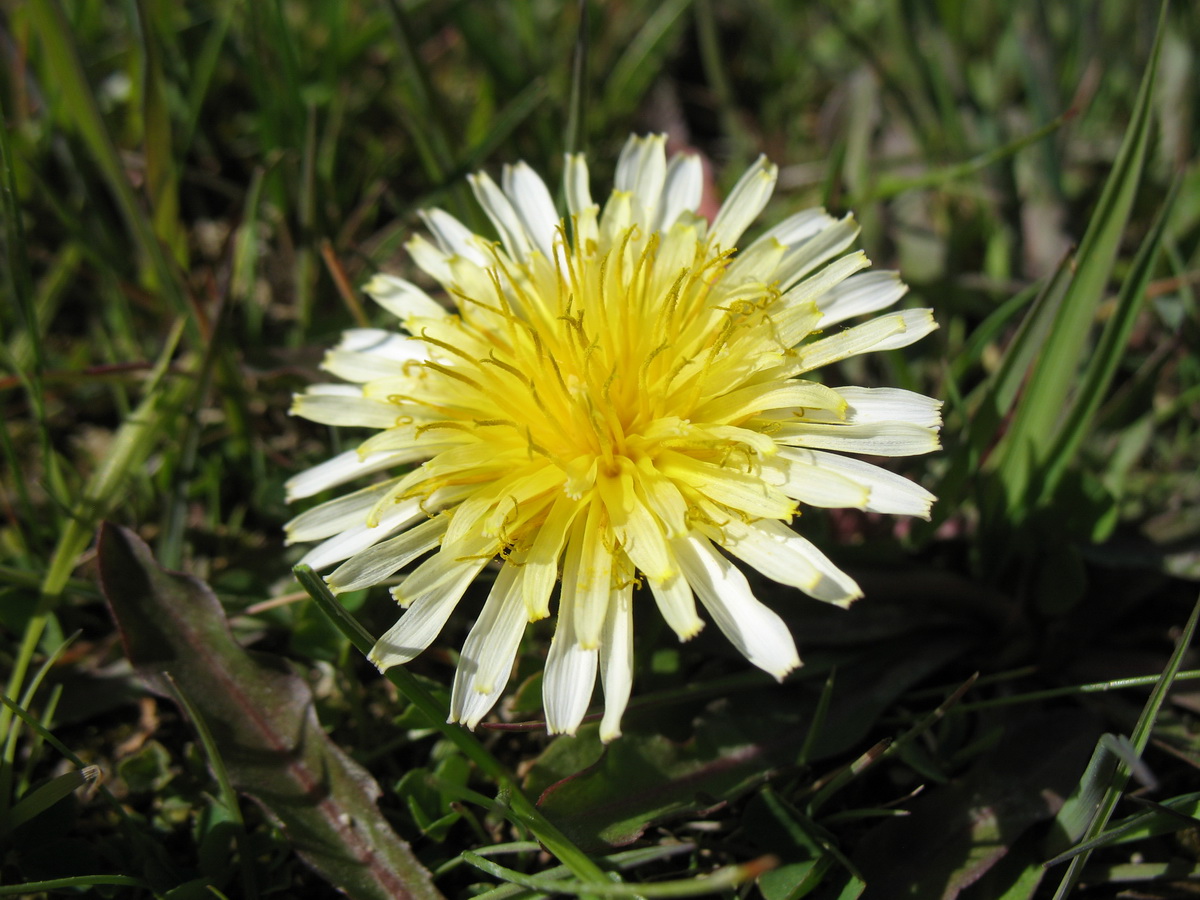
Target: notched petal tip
(568,730)
(849,600)
(688,630)
(400,598)
(379,659)
(783,671)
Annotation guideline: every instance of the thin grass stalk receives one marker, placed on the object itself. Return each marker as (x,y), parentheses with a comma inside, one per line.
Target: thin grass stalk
(228,795)
(714,63)
(575,140)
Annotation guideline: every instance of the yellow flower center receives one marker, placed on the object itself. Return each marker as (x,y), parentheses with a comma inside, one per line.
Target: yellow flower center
(593,367)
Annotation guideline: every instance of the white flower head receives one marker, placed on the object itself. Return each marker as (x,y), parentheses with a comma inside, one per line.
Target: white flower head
(619,398)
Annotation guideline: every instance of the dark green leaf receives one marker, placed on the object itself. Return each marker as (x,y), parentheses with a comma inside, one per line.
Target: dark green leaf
(956,833)
(261,716)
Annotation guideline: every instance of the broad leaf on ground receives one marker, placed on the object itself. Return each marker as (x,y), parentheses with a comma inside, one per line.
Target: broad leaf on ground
(956,833)
(262,718)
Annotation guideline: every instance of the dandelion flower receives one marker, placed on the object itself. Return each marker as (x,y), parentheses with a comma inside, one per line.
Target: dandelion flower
(616,399)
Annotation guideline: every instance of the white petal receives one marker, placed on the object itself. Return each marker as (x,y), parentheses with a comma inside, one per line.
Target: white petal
(615,218)
(637,155)
(594,578)
(359,537)
(403,299)
(487,656)
(784,556)
(434,590)
(570,673)
(879,439)
(755,630)
(385,559)
(642,170)
(864,293)
(365,354)
(360,367)
(575,184)
(736,405)
(917,324)
(683,190)
(582,210)
(342,468)
(430,259)
(453,237)
(743,204)
(333,516)
(808,483)
(567,685)
(531,199)
(808,255)
(889,492)
(541,564)
(616,661)
(868,406)
(343,404)
(379,341)
(798,227)
(504,217)
(677,605)
(334,390)
(805,295)
(882,333)
(746,492)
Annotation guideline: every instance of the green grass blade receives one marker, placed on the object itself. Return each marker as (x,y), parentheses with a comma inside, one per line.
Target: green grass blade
(428,129)
(721,880)
(305,272)
(575,139)
(63,60)
(18,284)
(635,69)
(162,175)
(887,186)
(503,125)
(31,722)
(201,75)
(1112,775)
(1036,425)
(17,277)
(9,754)
(29,888)
(716,74)
(44,797)
(1020,356)
(990,329)
(992,402)
(130,447)
(1103,363)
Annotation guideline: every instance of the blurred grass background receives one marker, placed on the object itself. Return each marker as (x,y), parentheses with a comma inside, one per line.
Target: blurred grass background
(192,192)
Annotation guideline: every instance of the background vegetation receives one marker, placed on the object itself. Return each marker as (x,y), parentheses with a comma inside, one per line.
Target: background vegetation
(191,193)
